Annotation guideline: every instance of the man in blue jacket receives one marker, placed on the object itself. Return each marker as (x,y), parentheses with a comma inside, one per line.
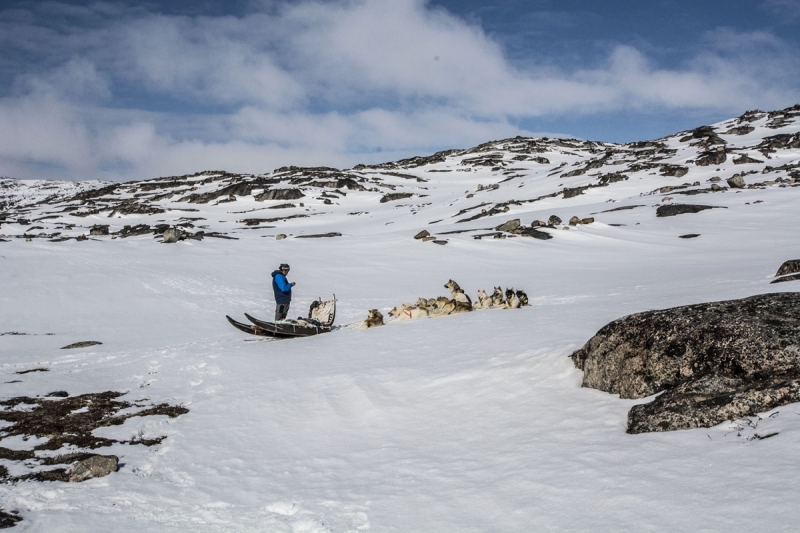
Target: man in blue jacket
(283,292)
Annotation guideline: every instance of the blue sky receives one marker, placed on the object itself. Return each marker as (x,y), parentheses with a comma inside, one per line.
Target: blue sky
(136,90)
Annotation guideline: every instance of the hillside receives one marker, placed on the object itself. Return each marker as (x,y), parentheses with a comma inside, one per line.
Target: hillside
(472,422)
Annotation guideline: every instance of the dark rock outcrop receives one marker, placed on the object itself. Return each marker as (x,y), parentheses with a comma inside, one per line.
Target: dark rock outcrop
(99,229)
(711,158)
(789,267)
(82,344)
(676,171)
(7,520)
(391,197)
(717,361)
(670,210)
(280,194)
(320,235)
(523,231)
(790,277)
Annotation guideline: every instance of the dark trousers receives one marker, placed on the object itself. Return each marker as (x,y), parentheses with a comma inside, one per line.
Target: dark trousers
(281,310)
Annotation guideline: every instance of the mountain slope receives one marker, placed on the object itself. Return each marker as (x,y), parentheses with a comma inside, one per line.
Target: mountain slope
(474,422)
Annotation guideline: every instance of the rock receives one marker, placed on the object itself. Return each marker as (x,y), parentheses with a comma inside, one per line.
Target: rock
(280,194)
(280,236)
(8,520)
(717,361)
(574,221)
(395,196)
(94,466)
(711,158)
(532,232)
(587,220)
(679,209)
(138,229)
(745,159)
(538,223)
(509,226)
(790,277)
(553,220)
(78,238)
(689,236)
(439,242)
(421,234)
(789,267)
(82,344)
(99,229)
(571,192)
(674,170)
(715,187)
(714,179)
(426,239)
(172,235)
(736,182)
(711,400)
(320,235)
(740,130)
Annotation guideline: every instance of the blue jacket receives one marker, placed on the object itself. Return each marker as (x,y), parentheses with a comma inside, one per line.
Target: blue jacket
(282,288)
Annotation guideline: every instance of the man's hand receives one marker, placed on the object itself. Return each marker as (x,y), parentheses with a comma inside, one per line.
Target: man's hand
(293,284)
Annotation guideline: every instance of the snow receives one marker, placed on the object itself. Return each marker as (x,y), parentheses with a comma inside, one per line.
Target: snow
(474,422)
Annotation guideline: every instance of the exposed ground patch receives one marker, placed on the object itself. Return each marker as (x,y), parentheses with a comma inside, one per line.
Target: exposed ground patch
(68,422)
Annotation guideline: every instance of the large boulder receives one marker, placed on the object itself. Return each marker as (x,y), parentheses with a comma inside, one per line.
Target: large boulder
(511,225)
(717,361)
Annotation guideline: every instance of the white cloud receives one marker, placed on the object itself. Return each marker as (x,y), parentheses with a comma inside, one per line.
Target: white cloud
(129,94)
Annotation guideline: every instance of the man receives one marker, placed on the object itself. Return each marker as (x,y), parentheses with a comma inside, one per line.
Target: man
(283,292)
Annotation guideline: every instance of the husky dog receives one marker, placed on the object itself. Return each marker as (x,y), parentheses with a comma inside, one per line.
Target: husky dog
(484,301)
(438,306)
(512,301)
(407,312)
(373,320)
(458,293)
(523,298)
(498,300)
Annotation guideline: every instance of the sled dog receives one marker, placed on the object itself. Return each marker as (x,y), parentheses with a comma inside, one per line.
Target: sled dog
(484,301)
(523,298)
(407,312)
(373,320)
(512,301)
(458,293)
(498,300)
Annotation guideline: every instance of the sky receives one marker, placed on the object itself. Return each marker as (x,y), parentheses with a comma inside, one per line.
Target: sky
(136,90)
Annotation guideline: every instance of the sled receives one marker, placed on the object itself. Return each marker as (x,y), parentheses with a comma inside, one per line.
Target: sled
(320,319)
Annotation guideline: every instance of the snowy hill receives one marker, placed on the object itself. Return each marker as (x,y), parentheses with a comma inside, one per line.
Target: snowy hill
(472,422)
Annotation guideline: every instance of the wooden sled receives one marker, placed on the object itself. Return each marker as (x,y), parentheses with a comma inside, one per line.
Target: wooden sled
(320,319)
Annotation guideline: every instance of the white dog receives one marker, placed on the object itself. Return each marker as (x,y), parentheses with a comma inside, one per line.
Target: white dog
(484,301)
(406,311)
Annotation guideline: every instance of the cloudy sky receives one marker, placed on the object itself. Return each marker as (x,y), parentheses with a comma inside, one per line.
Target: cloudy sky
(136,90)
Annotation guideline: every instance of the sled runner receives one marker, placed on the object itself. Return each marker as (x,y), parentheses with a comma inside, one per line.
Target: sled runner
(320,319)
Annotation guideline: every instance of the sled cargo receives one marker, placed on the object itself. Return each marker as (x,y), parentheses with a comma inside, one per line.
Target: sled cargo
(320,319)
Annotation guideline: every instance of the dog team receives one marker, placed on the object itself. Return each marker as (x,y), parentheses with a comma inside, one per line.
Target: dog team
(459,302)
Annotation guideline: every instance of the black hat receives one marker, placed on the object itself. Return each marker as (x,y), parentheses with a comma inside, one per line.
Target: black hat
(283,266)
